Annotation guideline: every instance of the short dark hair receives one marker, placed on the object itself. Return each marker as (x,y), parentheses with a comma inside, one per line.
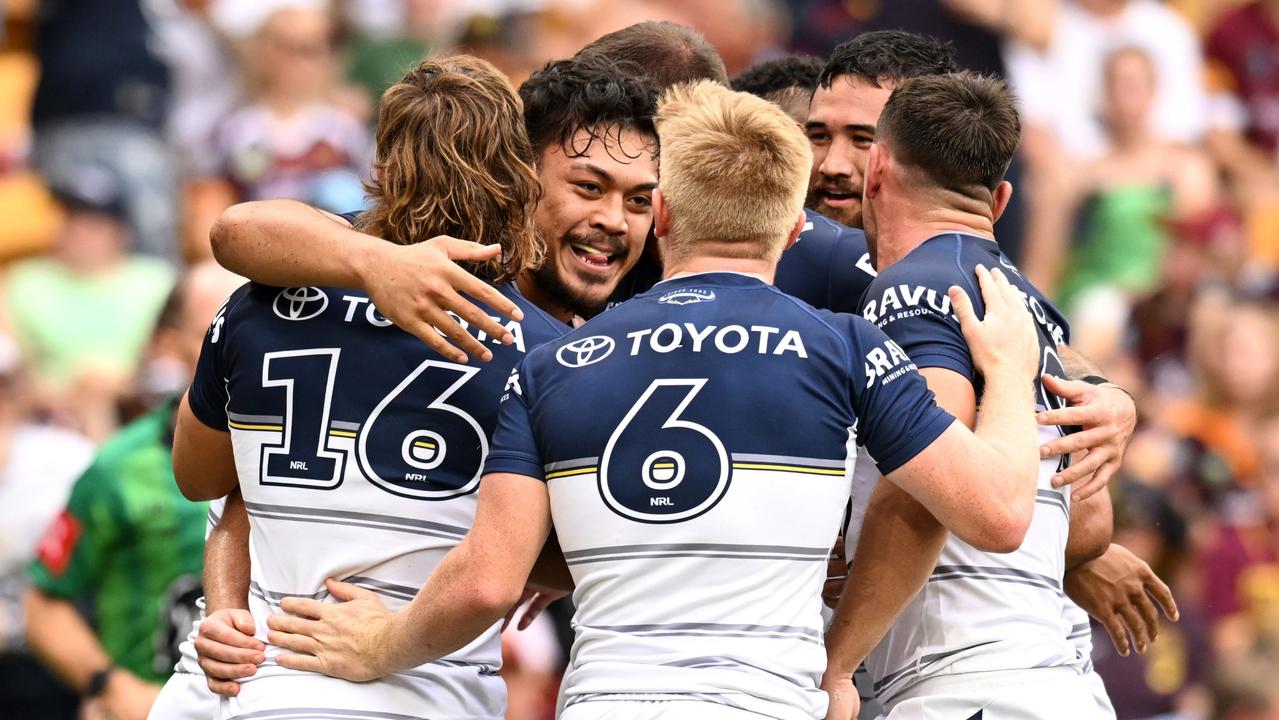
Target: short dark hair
(889,56)
(590,93)
(960,129)
(666,53)
(773,79)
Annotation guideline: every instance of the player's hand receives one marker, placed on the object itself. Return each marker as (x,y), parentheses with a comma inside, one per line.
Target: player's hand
(537,599)
(416,286)
(836,574)
(1108,418)
(1003,341)
(227,650)
(128,697)
(1117,589)
(843,701)
(341,640)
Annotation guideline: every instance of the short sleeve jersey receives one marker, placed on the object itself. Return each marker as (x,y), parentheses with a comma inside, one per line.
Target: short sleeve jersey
(697,442)
(130,544)
(1001,611)
(359,452)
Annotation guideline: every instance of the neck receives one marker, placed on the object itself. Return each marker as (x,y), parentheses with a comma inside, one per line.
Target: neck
(1128,137)
(703,263)
(534,293)
(897,237)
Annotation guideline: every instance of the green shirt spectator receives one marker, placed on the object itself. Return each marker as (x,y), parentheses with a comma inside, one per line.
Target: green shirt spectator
(132,545)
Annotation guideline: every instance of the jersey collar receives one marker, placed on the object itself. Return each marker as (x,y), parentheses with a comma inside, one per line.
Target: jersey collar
(716,277)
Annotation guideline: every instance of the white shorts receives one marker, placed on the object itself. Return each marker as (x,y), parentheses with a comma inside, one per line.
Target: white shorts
(1099,694)
(1058,693)
(185,697)
(305,696)
(655,710)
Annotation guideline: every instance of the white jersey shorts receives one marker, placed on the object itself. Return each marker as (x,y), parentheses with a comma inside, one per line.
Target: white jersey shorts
(1055,693)
(656,710)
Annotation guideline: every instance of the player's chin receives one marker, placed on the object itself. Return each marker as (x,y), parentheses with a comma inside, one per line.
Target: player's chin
(844,211)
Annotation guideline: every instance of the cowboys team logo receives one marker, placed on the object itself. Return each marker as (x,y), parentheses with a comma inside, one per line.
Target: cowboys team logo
(687,297)
(300,303)
(586,351)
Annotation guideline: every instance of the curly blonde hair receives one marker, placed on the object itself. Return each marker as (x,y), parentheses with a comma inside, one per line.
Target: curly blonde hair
(453,158)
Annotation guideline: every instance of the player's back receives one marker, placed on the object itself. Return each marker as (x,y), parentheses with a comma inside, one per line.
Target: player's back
(697,442)
(359,452)
(978,611)
(828,266)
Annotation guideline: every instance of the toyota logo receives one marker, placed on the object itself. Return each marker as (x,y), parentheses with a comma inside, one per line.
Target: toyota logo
(586,351)
(300,303)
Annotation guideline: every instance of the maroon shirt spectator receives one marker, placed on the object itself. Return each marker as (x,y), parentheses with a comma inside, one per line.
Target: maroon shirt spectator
(1243,59)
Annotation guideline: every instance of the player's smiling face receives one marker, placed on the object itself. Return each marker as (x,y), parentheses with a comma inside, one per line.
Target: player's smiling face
(595,212)
(841,128)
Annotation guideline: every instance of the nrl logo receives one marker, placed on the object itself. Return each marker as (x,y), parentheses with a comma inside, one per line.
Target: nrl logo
(687,297)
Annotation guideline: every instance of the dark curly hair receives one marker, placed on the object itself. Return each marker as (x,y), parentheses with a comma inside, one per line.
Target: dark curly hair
(664,52)
(586,93)
(771,77)
(889,56)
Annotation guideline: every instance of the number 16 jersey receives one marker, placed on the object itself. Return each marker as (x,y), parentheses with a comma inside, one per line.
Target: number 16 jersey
(359,452)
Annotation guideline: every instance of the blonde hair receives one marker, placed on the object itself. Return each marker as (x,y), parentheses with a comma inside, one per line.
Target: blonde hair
(453,158)
(735,170)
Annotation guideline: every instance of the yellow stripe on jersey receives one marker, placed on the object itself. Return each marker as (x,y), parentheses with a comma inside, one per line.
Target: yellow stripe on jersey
(246,426)
(342,433)
(574,471)
(427,445)
(836,472)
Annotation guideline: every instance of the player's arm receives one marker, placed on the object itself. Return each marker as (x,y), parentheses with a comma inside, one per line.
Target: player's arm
(1091,525)
(203,459)
(472,588)
(225,644)
(1106,416)
(290,244)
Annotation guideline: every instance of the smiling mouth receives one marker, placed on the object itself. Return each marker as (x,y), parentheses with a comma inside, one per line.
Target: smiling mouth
(839,197)
(594,258)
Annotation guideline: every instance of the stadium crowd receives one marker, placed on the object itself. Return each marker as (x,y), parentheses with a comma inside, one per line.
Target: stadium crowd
(1146,207)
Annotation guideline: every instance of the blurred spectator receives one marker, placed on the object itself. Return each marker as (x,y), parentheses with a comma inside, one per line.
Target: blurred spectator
(1241,567)
(1234,350)
(375,63)
(129,544)
(1243,55)
(532,663)
(1138,187)
(82,315)
(1062,88)
(293,141)
(1246,690)
(1168,680)
(37,467)
(102,98)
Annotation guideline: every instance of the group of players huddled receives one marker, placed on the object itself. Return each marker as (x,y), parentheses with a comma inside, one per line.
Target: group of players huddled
(708,321)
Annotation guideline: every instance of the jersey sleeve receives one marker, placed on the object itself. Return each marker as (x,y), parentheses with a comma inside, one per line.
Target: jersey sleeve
(75,544)
(917,316)
(514,447)
(897,415)
(207,395)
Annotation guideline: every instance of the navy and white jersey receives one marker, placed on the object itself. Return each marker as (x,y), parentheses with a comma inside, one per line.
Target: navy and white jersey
(978,611)
(828,267)
(359,451)
(698,442)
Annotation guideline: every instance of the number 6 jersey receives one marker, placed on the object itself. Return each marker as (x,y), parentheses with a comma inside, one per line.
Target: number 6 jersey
(697,442)
(359,452)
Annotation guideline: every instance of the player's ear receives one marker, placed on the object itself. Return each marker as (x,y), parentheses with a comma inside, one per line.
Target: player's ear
(999,201)
(661,214)
(800,222)
(875,168)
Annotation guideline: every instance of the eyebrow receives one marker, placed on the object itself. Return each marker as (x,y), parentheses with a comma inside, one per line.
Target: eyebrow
(815,124)
(604,175)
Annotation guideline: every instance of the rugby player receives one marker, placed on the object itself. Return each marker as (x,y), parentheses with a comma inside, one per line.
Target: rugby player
(590,123)
(985,635)
(697,536)
(787,82)
(356,448)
